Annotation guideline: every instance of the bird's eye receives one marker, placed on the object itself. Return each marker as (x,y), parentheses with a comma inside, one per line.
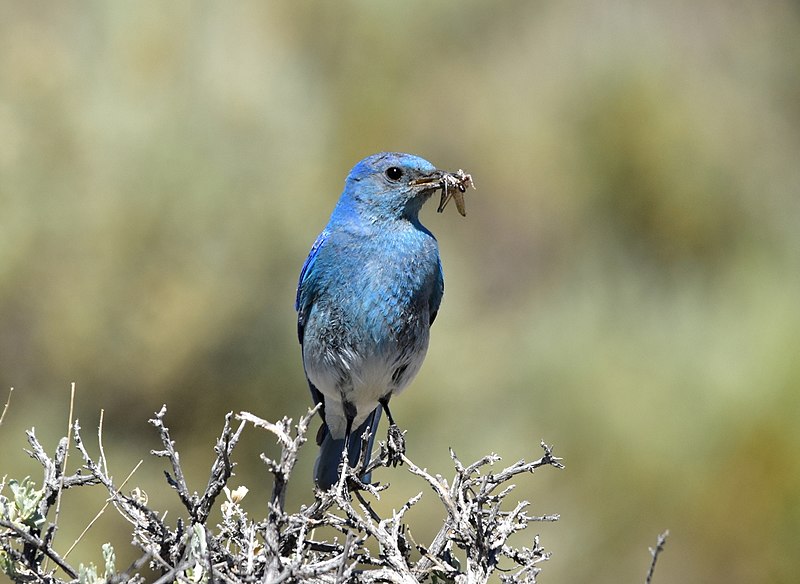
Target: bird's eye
(394,173)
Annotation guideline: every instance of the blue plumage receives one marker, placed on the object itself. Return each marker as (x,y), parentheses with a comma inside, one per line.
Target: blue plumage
(368,293)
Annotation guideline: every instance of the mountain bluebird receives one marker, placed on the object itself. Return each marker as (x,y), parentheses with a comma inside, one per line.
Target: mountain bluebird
(367,296)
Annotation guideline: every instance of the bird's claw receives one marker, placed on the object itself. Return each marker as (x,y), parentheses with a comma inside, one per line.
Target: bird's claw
(354,483)
(395,445)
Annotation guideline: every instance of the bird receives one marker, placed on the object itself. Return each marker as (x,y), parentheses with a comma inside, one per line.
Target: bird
(367,295)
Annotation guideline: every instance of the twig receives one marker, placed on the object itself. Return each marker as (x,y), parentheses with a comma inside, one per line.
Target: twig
(53,483)
(221,470)
(66,458)
(178,482)
(281,470)
(37,543)
(5,407)
(103,462)
(662,539)
(132,569)
(144,520)
(475,521)
(100,513)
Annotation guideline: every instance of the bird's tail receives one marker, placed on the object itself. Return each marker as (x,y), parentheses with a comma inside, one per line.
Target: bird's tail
(326,469)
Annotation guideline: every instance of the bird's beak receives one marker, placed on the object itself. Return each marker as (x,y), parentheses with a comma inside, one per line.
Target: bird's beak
(452,184)
(428,182)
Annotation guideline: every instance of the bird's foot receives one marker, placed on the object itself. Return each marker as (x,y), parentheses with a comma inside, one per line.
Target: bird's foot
(395,445)
(354,483)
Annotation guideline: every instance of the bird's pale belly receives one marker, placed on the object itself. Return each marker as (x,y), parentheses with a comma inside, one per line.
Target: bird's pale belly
(360,376)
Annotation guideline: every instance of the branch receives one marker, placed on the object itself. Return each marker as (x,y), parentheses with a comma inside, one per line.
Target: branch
(290,447)
(37,543)
(178,482)
(476,522)
(361,545)
(660,542)
(221,470)
(151,531)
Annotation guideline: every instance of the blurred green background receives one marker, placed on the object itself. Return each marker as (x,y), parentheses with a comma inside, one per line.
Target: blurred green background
(626,284)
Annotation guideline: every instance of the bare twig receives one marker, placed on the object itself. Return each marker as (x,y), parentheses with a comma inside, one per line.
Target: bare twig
(66,456)
(475,522)
(177,482)
(103,461)
(53,483)
(221,470)
(282,469)
(5,407)
(654,552)
(149,530)
(103,509)
(39,544)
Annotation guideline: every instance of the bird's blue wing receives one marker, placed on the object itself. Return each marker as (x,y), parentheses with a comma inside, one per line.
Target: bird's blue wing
(302,303)
(438,291)
(305,297)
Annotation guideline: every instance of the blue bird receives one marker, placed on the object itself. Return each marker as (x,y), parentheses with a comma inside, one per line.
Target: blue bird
(367,296)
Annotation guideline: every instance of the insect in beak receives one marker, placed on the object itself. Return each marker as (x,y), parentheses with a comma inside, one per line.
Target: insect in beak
(452,184)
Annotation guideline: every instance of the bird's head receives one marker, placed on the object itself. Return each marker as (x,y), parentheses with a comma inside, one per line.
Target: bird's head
(390,186)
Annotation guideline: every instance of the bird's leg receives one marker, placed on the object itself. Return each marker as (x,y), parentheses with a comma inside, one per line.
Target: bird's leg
(395,440)
(354,482)
(349,415)
(384,401)
(344,463)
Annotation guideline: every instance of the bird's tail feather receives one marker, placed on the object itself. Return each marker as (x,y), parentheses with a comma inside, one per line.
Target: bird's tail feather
(326,469)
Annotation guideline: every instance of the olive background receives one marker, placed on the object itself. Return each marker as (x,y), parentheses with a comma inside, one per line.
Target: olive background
(625,285)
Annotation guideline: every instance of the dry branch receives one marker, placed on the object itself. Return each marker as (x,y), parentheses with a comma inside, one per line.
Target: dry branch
(281,547)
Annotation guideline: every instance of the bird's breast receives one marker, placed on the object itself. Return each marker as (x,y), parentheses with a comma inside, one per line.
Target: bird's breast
(367,332)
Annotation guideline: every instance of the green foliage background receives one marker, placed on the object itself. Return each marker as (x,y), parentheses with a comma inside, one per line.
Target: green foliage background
(625,285)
